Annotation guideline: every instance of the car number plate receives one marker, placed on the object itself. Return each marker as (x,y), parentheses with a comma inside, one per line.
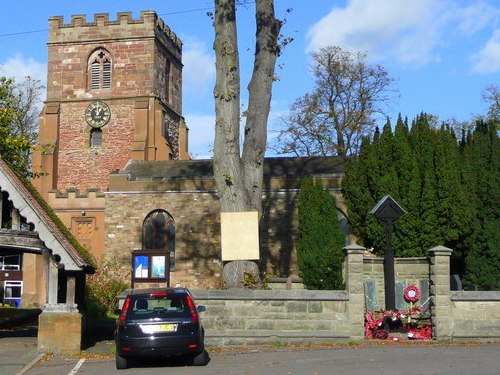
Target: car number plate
(155,328)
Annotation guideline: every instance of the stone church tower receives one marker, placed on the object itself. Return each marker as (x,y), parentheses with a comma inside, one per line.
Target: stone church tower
(114,94)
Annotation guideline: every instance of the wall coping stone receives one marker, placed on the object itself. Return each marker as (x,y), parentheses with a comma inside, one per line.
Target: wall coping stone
(415,260)
(475,295)
(271,295)
(276,333)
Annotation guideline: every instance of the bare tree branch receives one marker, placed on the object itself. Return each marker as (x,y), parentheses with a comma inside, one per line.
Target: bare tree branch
(349,93)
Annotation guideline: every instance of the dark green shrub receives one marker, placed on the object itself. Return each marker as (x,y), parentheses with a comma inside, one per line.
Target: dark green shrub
(321,240)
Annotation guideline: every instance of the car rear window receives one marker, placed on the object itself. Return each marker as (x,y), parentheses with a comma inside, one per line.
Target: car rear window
(145,306)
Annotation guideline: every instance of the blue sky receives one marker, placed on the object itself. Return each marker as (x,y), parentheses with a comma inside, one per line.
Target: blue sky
(442,53)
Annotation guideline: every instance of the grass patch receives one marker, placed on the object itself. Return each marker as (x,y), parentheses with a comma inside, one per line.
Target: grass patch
(278,344)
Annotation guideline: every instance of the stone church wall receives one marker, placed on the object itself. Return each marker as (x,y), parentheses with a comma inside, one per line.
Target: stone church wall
(197,222)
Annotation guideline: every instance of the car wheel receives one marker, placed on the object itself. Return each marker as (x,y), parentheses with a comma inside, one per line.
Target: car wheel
(200,359)
(121,362)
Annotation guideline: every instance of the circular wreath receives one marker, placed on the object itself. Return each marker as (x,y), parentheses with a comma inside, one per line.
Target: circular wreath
(412,293)
(381,334)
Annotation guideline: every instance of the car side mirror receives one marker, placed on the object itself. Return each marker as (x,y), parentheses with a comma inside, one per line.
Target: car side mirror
(201,308)
(117,311)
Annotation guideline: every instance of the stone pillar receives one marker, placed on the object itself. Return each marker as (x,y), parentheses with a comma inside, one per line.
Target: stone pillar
(439,275)
(52,275)
(16,219)
(355,289)
(60,324)
(1,208)
(59,332)
(71,291)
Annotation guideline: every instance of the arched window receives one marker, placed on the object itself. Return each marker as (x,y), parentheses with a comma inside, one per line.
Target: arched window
(344,225)
(95,137)
(99,69)
(157,257)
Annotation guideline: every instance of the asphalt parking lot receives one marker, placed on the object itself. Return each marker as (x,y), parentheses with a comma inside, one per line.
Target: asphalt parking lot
(19,355)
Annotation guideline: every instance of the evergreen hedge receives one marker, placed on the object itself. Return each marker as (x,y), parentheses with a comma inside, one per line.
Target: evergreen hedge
(321,240)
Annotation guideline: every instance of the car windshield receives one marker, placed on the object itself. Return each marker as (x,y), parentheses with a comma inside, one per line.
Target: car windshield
(146,306)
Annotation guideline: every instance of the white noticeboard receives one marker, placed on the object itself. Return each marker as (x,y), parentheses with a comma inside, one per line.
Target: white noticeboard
(240,235)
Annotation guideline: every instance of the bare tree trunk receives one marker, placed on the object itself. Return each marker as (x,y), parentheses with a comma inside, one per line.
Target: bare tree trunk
(227,164)
(239,178)
(259,105)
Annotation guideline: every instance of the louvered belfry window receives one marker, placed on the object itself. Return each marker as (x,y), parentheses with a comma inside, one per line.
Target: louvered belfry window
(100,69)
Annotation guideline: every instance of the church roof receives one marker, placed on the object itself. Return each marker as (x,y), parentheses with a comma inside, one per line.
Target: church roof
(49,228)
(275,167)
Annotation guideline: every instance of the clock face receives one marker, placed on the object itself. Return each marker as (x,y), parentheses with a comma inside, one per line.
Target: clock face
(97,114)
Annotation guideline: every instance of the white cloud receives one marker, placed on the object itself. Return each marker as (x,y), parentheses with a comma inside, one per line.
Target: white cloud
(201,135)
(488,59)
(199,67)
(475,17)
(19,67)
(410,32)
(406,31)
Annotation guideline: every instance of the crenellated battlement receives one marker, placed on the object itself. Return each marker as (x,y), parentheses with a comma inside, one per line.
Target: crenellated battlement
(75,199)
(76,193)
(59,31)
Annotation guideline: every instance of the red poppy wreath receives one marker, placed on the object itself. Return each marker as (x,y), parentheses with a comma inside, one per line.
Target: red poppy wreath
(412,294)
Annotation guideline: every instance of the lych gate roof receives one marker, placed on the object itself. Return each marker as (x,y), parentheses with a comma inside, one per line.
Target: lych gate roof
(48,227)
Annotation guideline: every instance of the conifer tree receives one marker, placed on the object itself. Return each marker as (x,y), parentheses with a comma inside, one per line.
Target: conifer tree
(384,183)
(374,233)
(422,138)
(453,204)
(321,240)
(356,189)
(449,189)
(405,239)
(483,158)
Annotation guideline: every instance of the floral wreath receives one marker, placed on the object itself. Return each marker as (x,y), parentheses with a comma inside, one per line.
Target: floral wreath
(412,294)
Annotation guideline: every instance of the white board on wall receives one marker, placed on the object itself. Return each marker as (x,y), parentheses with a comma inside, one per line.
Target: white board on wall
(240,235)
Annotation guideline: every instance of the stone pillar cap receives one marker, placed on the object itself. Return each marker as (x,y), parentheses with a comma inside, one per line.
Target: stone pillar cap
(354,248)
(440,250)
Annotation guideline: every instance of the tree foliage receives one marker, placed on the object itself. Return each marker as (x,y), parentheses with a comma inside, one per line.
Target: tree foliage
(491,95)
(26,96)
(419,168)
(449,190)
(16,141)
(481,159)
(321,240)
(332,119)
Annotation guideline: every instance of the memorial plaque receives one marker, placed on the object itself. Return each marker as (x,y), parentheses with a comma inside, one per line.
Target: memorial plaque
(240,235)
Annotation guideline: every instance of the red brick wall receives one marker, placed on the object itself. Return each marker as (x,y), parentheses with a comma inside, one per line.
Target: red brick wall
(81,166)
(139,50)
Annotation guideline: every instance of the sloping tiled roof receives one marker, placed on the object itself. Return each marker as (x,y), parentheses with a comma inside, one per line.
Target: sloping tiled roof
(50,228)
(273,167)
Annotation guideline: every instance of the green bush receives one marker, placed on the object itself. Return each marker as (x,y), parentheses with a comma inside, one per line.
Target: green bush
(321,240)
(103,288)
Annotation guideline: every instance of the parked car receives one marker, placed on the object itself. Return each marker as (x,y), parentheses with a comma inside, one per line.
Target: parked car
(159,322)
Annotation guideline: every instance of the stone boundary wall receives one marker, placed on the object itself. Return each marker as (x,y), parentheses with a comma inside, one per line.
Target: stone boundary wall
(256,317)
(407,271)
(240,317)
(475,316)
